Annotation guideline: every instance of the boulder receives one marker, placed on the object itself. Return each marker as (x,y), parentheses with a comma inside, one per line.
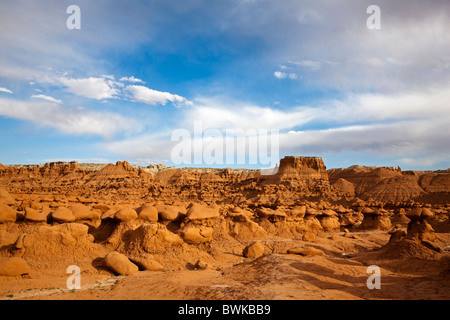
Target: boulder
(306,251)
(147,262)
(82,212)
(14,267)
(329,223)
(119,263)
(35,215)
(167,212)
(197,234)
(148,213)
(254,250)
(202,212)
(202,265)
(7,214)
(126,214)
(63,214)
(309,237)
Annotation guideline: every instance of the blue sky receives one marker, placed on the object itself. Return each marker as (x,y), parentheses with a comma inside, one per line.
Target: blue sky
(137,71)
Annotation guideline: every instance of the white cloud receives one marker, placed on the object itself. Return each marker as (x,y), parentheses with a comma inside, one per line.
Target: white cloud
(280,74)
(156,148)
(221,113)
(48,98)
(131,79)
(313,65)
(403,140)
(69,120)
(284,75)
(408,128)
(5,90)
(94,88)
(154,97)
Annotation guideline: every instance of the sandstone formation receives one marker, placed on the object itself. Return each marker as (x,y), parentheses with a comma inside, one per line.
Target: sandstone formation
(119,263)
(119,219)
(14,267)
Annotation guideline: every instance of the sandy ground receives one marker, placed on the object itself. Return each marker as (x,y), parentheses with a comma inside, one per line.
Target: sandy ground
(339,274)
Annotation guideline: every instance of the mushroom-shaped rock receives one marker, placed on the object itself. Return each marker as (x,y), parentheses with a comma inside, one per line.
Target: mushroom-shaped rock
(202,212)
(306,251)
(329,220)
(254,250)
(419,214)
(400,218)
(375,219)
(82,212)
(418,227)
(14,267)
(167,212)
(126,214)
(350,219)
(35,215)
(119,263)
(148,212)
(7,214)
(63,214)
(196,234)
(152,237)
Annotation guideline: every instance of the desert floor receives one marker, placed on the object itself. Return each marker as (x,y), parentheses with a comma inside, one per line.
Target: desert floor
(339,274)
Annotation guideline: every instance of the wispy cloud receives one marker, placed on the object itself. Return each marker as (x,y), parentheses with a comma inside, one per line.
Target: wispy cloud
(73,121)
(154,97)
(131,79)
(44,97)
(285,75)
(5,90)
(313,65)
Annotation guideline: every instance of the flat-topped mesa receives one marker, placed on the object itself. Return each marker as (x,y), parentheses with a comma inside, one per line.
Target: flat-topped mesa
(307,172)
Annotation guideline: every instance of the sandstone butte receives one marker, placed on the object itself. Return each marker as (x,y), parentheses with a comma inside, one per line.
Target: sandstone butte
(121,219)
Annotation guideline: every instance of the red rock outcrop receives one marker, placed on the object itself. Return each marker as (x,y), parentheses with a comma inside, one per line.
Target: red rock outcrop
(390,185)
